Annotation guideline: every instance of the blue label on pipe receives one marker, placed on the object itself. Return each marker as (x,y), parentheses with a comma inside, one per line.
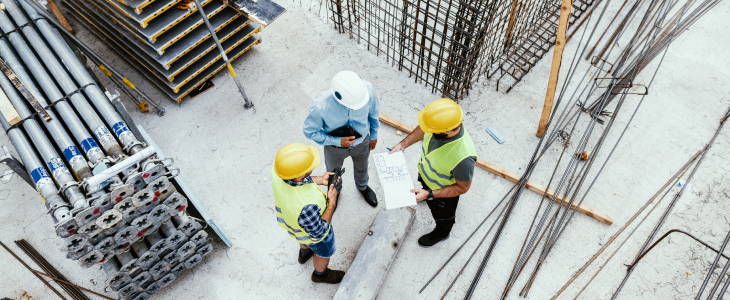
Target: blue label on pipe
(119,128)
(38,174)
(86,144)
(56,163)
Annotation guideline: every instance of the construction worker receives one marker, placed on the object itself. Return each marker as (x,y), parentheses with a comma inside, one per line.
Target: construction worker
(345,119)
(447,164)
(303,210)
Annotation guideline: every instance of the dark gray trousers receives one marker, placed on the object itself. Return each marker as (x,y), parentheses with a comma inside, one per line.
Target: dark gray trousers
(334,156)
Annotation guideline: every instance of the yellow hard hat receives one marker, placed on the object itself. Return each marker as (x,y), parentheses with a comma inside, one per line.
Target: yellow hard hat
(295,160)
(441,115)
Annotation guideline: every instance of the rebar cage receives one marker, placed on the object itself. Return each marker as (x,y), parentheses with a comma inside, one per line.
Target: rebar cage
(449,44)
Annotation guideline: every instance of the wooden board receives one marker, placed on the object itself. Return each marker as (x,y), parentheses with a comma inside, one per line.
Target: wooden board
(8,110)
(59,16)
(263,12)
(555,69)
(376,254)
(584,209)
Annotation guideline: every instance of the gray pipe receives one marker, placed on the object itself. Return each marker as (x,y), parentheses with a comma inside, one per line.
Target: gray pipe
(78,163)
(77,69)
(44,184)
(60,172)
(65,81)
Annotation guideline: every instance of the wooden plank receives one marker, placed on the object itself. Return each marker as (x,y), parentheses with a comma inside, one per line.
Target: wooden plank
(59,16)
(555,69)
(8,110)
(537,188)
(376,254)
(263,12)
(584,209)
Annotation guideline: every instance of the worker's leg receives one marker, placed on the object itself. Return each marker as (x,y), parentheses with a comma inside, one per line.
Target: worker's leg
(304,253)
(320,263)
(360,155)
(333,158)
(443,211)
(322,253)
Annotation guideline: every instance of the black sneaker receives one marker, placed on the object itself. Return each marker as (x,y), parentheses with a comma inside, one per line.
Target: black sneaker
(370,196)
(304,255)
(431,239)
(329,276)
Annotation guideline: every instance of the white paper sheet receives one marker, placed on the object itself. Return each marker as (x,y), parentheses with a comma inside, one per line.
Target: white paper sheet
(395,179)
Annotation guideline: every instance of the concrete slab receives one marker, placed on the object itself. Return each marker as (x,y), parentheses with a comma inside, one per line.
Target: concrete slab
(375,256)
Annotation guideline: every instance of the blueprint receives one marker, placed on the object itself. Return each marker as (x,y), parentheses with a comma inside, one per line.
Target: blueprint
(395,179)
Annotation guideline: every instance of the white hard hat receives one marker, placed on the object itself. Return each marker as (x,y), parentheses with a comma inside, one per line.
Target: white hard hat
(350,90)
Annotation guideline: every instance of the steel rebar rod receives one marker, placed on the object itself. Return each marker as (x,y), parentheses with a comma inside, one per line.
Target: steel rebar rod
(48,268)
(671,206)
(651,200)
(29,269)
(712,269)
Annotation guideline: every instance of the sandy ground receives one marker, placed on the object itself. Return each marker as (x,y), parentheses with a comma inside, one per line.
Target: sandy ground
(226,152)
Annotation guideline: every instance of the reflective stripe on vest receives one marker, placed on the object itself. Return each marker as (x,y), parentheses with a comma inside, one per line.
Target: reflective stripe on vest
(435,167)
(290,201)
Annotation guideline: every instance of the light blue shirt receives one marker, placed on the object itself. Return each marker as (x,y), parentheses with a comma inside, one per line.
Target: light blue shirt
(326,114)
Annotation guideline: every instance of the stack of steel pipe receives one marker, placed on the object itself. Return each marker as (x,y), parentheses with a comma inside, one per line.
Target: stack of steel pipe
(166,40)
(112,201)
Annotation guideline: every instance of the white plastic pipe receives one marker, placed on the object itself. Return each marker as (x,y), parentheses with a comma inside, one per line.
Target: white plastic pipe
(98,179)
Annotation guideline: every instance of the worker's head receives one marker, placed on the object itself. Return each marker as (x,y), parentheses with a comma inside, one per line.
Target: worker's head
(350,90)
(442,117)
(296,160)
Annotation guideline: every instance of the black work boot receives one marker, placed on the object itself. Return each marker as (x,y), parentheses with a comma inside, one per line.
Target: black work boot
(328,276)
(440,233)
(304,255)
(370,196)
(432,238)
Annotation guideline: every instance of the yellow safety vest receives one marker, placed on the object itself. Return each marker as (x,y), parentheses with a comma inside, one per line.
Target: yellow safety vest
(435,167)
(290,200)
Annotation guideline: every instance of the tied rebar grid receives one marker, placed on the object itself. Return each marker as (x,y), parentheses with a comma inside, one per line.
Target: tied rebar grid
(449,44)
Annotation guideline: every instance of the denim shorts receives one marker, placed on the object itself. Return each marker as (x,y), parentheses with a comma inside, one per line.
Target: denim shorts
(325,248)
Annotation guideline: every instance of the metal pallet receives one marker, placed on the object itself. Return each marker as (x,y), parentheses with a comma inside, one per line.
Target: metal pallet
(176,50)
(167,28)
(154,10)
(194,74)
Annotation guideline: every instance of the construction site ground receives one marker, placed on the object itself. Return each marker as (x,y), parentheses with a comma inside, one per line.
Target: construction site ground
(226,152)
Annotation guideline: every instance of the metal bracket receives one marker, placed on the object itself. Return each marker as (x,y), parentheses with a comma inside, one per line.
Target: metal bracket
(595,60)
(630,88)
(17,167)
(194,201)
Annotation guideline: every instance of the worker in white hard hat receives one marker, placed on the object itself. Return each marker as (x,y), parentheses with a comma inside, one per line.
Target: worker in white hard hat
(446,168)
(345,119)
(303,210)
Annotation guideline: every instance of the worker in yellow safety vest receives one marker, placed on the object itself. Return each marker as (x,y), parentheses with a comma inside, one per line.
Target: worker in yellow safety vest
(303,210)
(446,168)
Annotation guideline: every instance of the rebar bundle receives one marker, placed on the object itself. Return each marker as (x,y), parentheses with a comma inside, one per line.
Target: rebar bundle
(116,205)
(449,45)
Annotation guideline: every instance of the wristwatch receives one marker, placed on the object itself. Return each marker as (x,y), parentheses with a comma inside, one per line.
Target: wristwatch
(430,195)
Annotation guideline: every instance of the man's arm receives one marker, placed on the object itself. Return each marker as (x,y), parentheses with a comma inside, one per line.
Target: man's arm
(374,114)
(410,139)
(312,223)
(460,188)
(313,125)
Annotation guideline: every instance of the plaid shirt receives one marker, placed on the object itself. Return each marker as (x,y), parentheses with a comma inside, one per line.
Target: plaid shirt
(309,219)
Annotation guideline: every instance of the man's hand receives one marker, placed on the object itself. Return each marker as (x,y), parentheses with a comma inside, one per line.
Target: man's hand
(322,180)
(373,143)
(396,148)
(421,194)
(346,141)
(332,195)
